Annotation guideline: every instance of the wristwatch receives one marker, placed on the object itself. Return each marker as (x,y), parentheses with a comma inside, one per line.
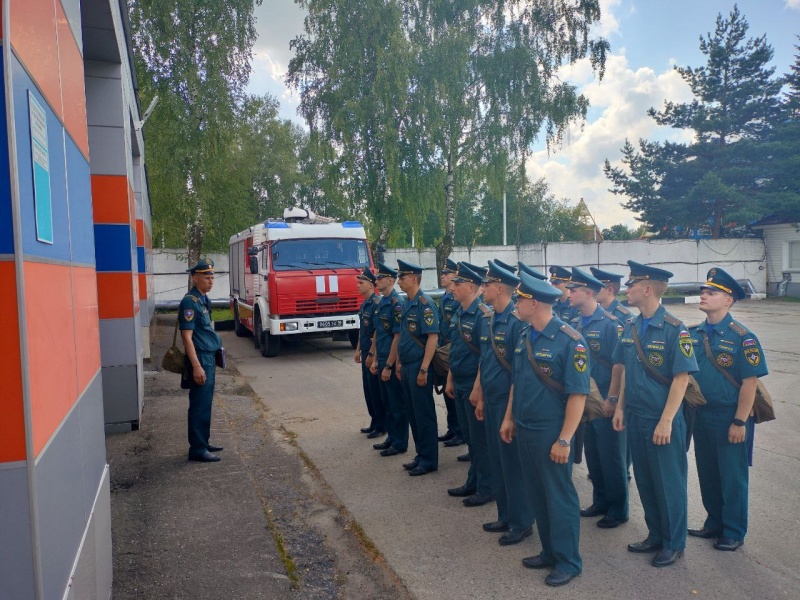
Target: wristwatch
(563,442)
(612,399)
(370,354)
(389,367)
(423,371)
(739,422)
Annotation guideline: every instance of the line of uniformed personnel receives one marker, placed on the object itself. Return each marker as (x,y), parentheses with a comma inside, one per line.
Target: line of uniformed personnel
(524,353)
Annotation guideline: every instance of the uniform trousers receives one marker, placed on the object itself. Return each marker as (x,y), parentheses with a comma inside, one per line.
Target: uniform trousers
(513,506)
(480,474)
(661,473)
(723,471)
(372,396)
(421,415)
(200,399)
(552,495)
(453,425)
(606,457)
(396,412)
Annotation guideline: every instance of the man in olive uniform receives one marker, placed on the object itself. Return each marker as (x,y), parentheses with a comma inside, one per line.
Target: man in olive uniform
(723,426)
(499,333)
(608,295)
(201,343)
(386,322)
(550,384)
(559,277)
(365,354)
(419,336)
(605,448)
(464,358)
(447,308)
(651,412)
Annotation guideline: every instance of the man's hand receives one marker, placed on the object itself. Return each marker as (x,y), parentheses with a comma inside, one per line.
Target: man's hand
(559,454)
(736,434)
(422,378)
(475,397)
(619,419)
(609,408)
(507,430)
(663,433)
(198,374)
(386,374)
(398,370)
(357,356)
(450,388)
(479,409)
(373,368)
(369,361)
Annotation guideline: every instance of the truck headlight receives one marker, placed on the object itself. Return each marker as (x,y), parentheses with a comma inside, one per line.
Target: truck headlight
(288,326)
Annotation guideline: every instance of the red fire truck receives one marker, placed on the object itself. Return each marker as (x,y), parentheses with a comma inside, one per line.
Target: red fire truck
(297,276)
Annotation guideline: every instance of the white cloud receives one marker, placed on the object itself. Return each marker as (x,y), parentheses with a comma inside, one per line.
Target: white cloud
(793,4)
(575,170)
(609,24)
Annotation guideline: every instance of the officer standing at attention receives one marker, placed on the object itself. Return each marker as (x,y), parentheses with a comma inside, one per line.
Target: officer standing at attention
(201,342)
(499,333)
(365,354)
(651,411)
(465,355)
(723,427)
(606,449)
(420,321)
(608,295)
(550,384)
(447,308)
(386,322)
(559,277)
(523,268)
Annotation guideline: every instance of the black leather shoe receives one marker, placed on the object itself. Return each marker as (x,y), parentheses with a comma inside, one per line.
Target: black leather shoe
(462,491)
(410,465)
(382,445)
(514,536)
(537,562)
(464,458)
(727,544)
(366,429)
(215,448)
(418,470)
(478,500)
(644,547)
(557,578)
(392,451)
(375,434)
(704,533)
(666,557)
(447,436)
(453,442)
(204,457)
(593,511)
(609,522)
(495,526)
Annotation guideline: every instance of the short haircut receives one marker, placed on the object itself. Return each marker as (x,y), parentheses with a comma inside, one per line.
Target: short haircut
(659,288)
(614,286)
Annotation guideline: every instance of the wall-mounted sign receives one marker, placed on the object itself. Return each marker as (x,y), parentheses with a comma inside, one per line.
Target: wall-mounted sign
(42,202)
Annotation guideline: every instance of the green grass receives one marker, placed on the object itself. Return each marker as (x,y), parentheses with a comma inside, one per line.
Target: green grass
(217,314)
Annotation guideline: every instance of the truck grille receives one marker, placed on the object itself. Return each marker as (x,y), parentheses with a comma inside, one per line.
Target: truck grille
(325,304)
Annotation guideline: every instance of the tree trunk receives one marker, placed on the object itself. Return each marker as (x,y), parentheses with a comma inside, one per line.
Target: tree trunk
(445,247)
(716,229)
(196,233)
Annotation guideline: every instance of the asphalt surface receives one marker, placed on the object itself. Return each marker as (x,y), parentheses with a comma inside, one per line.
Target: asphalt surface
(436,546)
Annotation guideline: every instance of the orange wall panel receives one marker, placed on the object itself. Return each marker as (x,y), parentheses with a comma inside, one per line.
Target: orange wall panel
(115,298)
(87,325)
(72,83)
(143,286)
(110,199)
(139,232)
(33,35)
(12,416)
(51,347)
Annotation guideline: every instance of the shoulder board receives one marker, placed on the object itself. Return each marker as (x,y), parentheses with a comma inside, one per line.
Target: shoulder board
(485,309)
(423,299)
(672,320)
(608,315)
(623,310)
(570,332)
(738,328)
(376,300)
(394,299)
(192,297)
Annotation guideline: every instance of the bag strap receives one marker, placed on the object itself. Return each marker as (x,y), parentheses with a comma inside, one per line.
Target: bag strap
(503,362)
(543,377)
(470,345)
(175,332)
(710,354)
(648,368)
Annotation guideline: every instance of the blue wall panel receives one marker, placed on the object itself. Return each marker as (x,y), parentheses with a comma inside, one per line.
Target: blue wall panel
(113,247)
(81,220)
(141,259)
(60,248)
(6,223)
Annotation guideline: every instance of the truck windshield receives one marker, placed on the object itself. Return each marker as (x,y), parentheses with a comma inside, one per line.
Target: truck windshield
(325,253)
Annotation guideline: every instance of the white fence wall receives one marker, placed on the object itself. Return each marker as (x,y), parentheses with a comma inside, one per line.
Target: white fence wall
(689,260)
(171,282)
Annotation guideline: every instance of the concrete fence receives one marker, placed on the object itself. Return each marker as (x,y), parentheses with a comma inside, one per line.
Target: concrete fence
(171,282)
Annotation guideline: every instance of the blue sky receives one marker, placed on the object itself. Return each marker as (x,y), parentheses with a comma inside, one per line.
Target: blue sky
(647,37)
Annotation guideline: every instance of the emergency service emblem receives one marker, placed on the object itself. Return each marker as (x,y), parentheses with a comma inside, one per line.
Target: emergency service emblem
(685,342)
(502,350)
(580,362)
(724,359)
(753,356)
(594,345)
(412,326)
(427,316)
(655,359)
(545,368)
(188,314)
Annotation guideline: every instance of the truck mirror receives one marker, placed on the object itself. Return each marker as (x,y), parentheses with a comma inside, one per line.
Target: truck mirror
(254,264)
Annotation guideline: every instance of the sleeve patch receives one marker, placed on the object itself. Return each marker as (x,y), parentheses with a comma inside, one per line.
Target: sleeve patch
(188,314)
(753,356)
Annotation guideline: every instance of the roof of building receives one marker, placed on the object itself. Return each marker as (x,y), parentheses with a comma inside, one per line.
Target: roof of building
(774,220)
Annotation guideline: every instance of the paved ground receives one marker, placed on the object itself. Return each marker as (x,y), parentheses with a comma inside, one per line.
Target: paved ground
(436,546)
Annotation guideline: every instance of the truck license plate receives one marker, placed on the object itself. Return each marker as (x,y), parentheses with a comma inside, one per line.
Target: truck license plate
(324,324)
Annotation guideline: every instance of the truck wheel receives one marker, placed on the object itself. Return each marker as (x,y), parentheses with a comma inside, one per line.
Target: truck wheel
(240,329)
(353,333)
(257,329)
(269,345)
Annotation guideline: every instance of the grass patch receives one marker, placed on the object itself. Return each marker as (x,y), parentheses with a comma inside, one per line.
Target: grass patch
(217,314)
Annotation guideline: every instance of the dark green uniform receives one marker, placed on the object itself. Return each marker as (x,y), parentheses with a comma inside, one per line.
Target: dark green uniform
(722,467)
(606,449)
(565,311)
(660,471)
(618,310)
(447,308)
(386,320)
(465,355)
(513,505)
(419,319)
(369,382)
(194,314)
(539,417)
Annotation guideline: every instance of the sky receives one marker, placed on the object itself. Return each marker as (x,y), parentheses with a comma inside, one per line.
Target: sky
(648,38)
